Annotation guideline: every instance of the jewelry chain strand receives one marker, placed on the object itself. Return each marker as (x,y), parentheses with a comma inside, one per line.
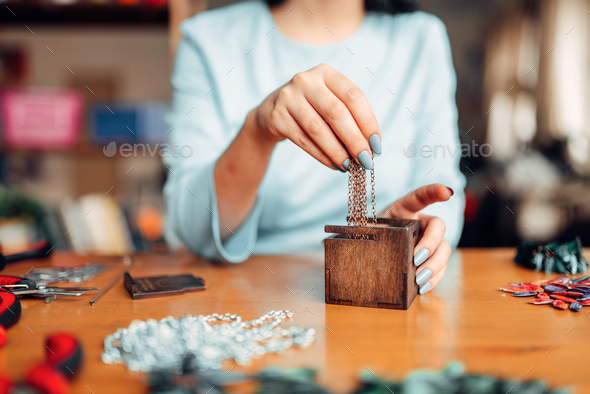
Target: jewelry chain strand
(357,198)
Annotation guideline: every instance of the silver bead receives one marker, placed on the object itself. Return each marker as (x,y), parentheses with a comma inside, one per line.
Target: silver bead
(148,345)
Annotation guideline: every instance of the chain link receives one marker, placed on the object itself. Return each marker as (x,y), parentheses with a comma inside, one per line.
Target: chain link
(373,200)
(357,197)
(155,345)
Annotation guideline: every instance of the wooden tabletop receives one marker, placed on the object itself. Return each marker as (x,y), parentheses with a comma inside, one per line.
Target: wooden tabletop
(466,318)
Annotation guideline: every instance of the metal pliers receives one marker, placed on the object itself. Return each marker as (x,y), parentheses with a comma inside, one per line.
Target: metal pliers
(24,286)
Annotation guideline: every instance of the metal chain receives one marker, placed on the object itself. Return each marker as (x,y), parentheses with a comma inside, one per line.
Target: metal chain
(357,197)
(156,345)
(373,200)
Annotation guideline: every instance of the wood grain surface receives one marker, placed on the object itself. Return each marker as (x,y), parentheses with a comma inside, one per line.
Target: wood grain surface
(466,318)
(374,269)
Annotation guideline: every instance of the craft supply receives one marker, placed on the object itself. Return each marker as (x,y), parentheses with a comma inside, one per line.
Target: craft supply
(129,263)
(63,357)
(451,380)
(10,309)
(357,197)
(46,379)
(273,380)
(563,256)
(159,286)
(126,260)
(26,286)
(151,344)
(48,275)
(370,262)
(562,293)
(63,352)
(191,379)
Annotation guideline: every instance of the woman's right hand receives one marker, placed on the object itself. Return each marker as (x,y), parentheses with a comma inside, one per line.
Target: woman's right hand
(326,115)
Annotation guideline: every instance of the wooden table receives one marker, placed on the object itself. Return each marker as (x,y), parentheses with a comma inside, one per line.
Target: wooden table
(466,318)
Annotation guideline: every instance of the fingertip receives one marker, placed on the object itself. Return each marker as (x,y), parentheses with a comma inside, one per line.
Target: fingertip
(346,164)
(421,256)
(337,168)
(365,159)
(441,192)
(425,288)
(375,142)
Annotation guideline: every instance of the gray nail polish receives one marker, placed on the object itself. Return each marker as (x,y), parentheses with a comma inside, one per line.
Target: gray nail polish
(423,276)
(338,168)
(375,142)
(365,159)
(425,287)
(346,164)
(421,256)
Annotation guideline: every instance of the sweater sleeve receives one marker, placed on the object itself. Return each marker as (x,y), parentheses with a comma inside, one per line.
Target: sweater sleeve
(197,138)
(438,146)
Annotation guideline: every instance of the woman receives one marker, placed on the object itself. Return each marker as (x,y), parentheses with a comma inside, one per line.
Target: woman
(275,99)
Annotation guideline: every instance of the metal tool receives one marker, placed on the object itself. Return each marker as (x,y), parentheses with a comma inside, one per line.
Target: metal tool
(118,278)
(25,286)
(73,291)
(129,263)
(89,279)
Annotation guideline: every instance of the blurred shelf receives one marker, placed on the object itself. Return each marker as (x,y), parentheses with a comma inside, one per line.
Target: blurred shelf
(83,14)
(82,150)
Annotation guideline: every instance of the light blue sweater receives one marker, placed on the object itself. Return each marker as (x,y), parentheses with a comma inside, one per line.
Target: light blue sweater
(232,58)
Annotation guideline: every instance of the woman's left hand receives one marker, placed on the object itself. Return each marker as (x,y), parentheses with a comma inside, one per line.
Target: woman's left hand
(432,252)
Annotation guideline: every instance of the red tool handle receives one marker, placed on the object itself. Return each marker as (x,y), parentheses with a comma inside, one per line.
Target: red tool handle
(10,309)
(64,352)
(6,280)
(9,280)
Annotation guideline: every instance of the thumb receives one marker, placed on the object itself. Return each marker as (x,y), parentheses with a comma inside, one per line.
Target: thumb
(424,196)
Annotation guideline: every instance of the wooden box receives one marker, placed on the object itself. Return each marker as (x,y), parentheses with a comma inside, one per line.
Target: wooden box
(377,272)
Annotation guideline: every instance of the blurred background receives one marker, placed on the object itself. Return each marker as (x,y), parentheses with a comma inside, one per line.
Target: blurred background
(76,74)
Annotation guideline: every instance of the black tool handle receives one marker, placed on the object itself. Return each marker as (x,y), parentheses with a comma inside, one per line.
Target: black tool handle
(10,309)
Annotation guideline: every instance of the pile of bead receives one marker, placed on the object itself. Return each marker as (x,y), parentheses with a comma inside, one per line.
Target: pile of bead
(562,293)
(148,345)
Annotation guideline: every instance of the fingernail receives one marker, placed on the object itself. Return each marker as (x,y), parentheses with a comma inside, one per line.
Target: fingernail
(424,288)
(338,168)
(375,143)
(451,190)
(365,159)
(423,276)
(421,256)
(346,164)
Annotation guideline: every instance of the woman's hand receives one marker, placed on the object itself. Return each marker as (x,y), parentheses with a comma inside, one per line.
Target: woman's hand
(432,251)
(326,115)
